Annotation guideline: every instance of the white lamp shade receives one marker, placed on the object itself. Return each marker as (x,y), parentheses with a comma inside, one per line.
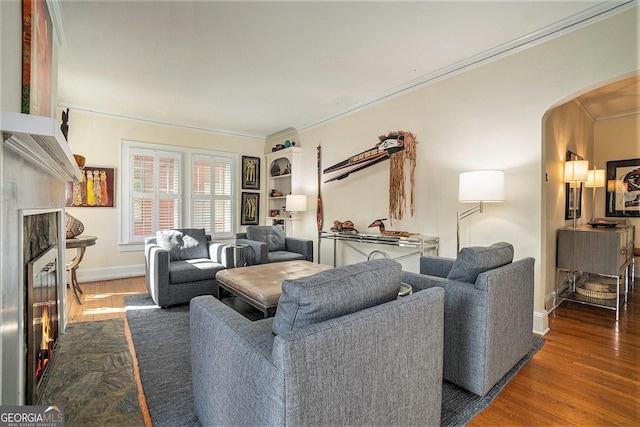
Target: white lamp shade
(481,186)
(595,178)
(296,203)
(576,171)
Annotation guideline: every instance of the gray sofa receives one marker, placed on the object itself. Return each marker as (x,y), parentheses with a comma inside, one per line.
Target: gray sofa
(488,316)
(267,243)
(343,349)
(182,263)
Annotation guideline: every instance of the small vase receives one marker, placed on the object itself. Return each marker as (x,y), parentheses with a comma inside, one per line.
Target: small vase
(73,226)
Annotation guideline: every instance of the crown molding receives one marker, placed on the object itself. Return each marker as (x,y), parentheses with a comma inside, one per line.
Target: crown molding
(57,18)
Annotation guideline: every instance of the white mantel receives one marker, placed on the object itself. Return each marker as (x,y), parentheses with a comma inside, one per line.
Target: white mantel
(39,140)
(35,164)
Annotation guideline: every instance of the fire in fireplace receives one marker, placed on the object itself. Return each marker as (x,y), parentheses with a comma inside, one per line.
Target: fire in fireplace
(41,301)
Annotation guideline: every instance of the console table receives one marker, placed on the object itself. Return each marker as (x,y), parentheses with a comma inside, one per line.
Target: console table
(420,243)
(587,250)
(79,243)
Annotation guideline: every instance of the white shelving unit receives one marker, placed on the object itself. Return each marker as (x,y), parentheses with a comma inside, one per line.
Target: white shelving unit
(282,177)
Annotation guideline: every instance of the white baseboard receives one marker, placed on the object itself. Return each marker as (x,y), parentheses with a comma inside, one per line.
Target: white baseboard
(109,273)
(540,322)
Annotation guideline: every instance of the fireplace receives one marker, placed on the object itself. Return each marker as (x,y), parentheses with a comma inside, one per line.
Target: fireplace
(41,299)
(36,164)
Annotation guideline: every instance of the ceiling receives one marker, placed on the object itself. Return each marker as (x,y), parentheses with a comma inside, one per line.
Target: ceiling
(258,68)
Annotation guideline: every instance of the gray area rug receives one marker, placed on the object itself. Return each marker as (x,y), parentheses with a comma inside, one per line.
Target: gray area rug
(92,376)
(162,344)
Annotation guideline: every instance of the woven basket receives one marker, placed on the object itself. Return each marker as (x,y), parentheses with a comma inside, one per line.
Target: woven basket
(596,294)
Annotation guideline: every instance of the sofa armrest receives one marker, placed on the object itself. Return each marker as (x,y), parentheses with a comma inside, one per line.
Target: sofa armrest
(300,246)
(157,272)
(420,282)
(222,254)
(258,251)
(231,368)
(435,266)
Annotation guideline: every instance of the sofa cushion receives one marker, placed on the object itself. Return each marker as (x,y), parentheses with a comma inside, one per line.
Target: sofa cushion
(193,270)
(273,236)
(183,244)
(475,260)
(336,292)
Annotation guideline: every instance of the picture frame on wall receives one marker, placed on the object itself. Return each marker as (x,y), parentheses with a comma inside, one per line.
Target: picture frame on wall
(37,58)
(250,173)
(96,190)
(250,209)
(569,189)
(623,188)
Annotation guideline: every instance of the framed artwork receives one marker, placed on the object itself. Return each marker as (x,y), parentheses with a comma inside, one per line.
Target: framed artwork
(570,189)
(250,173)
(623,188)
(95,191)
(250,209)
(37,63)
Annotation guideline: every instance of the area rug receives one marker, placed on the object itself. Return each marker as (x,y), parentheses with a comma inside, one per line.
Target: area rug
(92,376)
(162,345)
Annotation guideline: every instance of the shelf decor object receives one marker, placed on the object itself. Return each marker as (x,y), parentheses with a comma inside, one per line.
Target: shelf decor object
(479,187)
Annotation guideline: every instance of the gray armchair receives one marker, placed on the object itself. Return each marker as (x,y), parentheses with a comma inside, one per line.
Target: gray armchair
(342,350)
(488,316)
(182,263)
(267,243)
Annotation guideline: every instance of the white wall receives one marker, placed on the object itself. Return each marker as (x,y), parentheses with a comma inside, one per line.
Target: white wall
(488,117)
(566,128)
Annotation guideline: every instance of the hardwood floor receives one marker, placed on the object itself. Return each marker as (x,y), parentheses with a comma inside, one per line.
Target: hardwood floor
(586,374)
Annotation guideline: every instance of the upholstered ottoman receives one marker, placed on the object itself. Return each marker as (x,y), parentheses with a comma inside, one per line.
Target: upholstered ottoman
(261,285)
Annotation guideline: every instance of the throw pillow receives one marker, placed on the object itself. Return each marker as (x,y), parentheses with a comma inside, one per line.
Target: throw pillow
(336,292)
(272,235)
(182,244)
(475,260)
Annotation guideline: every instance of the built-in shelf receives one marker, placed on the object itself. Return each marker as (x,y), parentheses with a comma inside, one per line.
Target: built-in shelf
(39,140)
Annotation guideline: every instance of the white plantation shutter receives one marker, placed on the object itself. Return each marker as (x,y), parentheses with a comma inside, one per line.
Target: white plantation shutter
(168,187)
(211,194)
(155,190)
(223,196)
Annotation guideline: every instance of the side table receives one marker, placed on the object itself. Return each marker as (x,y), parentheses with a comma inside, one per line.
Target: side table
(79,243)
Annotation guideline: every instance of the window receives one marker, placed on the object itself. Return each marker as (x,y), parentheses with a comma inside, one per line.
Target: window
(153,191)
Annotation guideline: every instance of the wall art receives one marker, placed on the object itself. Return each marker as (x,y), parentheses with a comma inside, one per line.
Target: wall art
(37,58)
(96,190)
(623,188)
(250,209)
(250,173)
(569,189)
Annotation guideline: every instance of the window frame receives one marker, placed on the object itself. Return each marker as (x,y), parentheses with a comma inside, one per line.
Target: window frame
(186,197)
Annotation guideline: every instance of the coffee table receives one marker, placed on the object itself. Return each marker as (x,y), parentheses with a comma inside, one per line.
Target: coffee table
(261,285)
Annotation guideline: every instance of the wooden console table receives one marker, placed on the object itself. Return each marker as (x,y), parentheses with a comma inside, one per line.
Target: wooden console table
(79,243)
(606,252)
(420,243)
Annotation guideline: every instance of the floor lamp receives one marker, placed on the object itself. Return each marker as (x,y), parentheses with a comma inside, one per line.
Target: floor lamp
(478,187)
(595,179)
(575,173)
(295,203)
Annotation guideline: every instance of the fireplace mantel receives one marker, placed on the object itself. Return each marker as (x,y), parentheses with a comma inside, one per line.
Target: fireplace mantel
(39,140)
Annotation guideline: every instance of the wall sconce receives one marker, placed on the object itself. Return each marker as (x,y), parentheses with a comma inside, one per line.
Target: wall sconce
(478,187)
(575,172)
(595,179)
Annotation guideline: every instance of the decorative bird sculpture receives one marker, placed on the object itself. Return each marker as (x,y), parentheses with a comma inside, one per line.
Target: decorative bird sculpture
(378,223)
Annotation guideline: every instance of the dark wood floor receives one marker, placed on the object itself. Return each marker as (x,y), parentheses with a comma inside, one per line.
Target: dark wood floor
(586,374)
